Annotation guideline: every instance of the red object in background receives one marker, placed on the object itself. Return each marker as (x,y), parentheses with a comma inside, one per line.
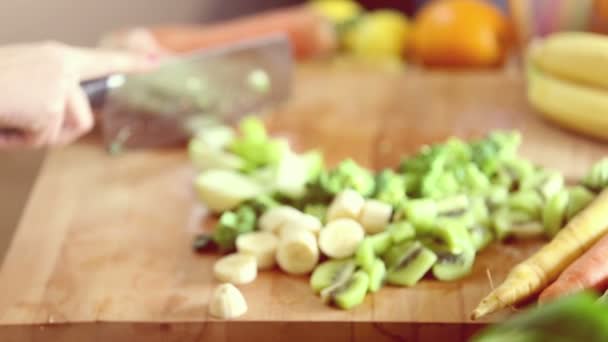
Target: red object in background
(406,6)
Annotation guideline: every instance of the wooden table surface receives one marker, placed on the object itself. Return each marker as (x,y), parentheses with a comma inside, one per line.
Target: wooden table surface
(103,248)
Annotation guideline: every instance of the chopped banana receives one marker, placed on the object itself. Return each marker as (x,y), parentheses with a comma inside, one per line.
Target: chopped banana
(227,302)
(347,204)
(236,268)
(375,216)
(298,252)
(340,238)
(262,245)
(273,219)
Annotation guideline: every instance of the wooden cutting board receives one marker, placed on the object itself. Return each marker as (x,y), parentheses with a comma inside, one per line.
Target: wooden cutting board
(103,249)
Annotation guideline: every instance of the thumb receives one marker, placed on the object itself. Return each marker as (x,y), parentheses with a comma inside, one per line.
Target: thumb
(93,63)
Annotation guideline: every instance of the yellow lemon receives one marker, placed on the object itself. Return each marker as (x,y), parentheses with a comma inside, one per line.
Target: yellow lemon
(379,34)
(338,12)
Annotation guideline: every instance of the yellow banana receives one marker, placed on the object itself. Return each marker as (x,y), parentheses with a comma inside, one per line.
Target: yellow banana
(575,56)
(579,107)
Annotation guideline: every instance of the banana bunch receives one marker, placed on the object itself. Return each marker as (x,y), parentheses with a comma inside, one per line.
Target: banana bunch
(568,81)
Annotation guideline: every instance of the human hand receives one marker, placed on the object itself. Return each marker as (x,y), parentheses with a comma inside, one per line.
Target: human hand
(41,102)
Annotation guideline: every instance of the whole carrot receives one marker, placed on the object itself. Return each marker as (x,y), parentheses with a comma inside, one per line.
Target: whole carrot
(309,33)
(533,274)
(590,271)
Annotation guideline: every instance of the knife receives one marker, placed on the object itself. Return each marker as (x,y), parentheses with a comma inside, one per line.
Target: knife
(219,85)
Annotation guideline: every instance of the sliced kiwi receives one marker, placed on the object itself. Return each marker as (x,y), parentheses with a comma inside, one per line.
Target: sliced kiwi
(412,265)
(421,213)
(453,206)
(480,236)
(377,274)
(479,211)
(393,254)
(508,222)
(580,197)
(352,293)
(451,266)
(381,242)
(331,272)
(451,233)
(528,201)
(555,212)
(400,232)
(365,254)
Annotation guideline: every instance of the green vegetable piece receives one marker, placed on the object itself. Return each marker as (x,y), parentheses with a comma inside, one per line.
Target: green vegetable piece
(597,177)
(377,275)
(480,236)
(479,211)
(577,317)
(259,81)
(509,222)
(317,210)
(552,184)
(400,232)
(348,174)
(222,190)
(422,213)
(413,263)
(204,156)
(390,187)
(555,213)
(315,163)
(252,129)
(292,175)
(528,201)
(475,180)
(381,242)
(496,197)
(365,255)
(579,197)
(215,137)
(453,206)
(231,225)
(262,204)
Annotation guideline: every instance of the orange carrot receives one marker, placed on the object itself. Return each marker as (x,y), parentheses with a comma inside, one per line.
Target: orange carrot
(590,271)
(309,33)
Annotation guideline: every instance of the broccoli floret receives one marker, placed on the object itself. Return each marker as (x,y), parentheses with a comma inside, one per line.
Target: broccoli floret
(347,174)
(390,187)
(231,225)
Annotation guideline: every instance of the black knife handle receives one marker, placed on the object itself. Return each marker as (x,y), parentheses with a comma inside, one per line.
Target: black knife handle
(96,90)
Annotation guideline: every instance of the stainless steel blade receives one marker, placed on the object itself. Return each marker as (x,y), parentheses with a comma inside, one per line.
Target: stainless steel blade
(219,85)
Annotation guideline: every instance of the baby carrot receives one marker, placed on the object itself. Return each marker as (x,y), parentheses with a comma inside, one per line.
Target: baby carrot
(590,271)
(533,274)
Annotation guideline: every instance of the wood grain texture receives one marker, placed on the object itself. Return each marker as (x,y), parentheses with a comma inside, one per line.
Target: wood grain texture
(103,248)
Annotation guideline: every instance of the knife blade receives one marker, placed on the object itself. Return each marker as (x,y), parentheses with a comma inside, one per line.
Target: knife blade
(211,86)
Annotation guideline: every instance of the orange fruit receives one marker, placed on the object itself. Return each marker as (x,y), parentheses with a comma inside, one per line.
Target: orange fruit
(460,33)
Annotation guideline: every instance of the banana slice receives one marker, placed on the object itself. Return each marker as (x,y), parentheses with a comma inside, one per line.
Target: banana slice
(236,268)
(340,238)
(375,216)
(227,302)
(262,245)
(298,252)
(304,221)
(347,204)
(273,219)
